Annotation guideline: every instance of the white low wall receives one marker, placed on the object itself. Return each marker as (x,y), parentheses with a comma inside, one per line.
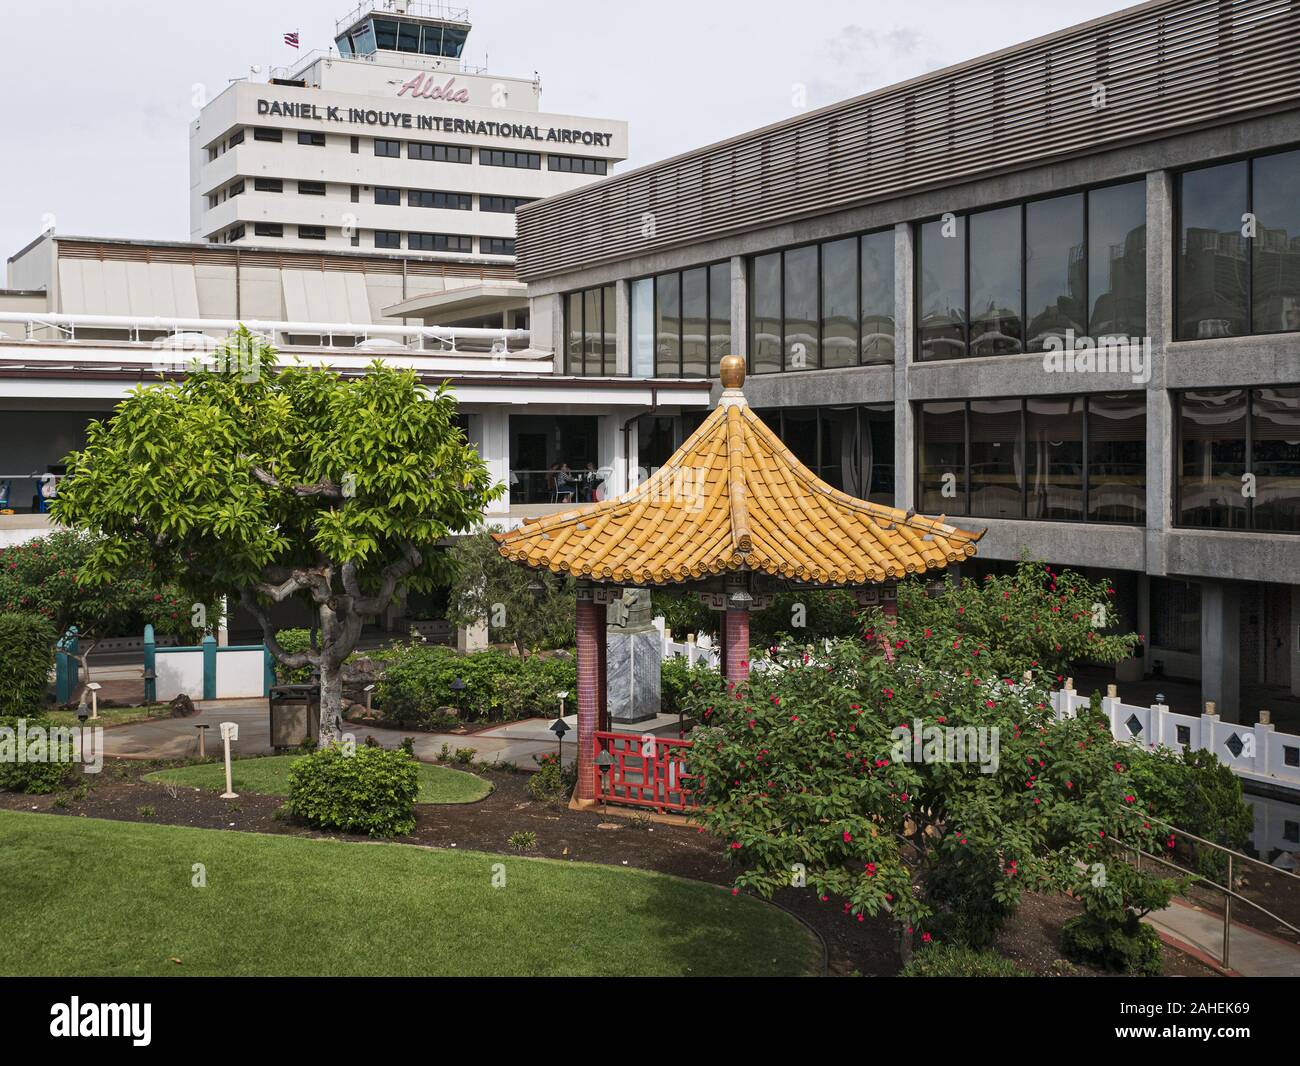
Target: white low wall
(241,672)
(692,650)
(1257,752)
(179,670)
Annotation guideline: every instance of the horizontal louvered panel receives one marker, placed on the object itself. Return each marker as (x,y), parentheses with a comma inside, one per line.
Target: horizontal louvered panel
(1165,66)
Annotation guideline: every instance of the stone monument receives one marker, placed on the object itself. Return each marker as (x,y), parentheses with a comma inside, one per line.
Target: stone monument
(633,657)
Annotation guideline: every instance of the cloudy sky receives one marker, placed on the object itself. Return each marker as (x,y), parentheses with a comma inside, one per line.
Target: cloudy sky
(98,95)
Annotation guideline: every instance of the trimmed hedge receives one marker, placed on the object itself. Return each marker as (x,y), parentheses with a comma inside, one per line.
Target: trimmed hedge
(26,659)
(369,790)
(1130,947)
(498,687)
(16,776)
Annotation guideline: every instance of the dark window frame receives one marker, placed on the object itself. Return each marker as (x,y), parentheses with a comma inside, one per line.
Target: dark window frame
(964,497)
(388,142)
(707,267)
(606,371)
(856,236)
(487,155)
(1248,467)
(311,138)
(1176,282)
(777,425)
(964,218)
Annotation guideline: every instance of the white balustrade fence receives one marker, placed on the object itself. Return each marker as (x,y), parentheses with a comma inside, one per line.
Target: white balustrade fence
(1257,753)
(693,650)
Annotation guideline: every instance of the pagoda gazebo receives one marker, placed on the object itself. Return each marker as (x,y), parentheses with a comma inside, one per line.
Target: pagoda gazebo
(735,517)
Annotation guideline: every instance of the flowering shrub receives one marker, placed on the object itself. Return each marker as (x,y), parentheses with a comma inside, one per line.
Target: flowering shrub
(810,774)
(552,782)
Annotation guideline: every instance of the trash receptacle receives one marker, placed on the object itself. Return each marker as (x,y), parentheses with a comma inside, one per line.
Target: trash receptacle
(295,715)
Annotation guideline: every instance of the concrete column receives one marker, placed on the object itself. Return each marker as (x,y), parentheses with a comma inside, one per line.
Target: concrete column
(904,316)
(739,307)
(1220,646)
(1160,319)
(735,639)
(590,640)
(490,435)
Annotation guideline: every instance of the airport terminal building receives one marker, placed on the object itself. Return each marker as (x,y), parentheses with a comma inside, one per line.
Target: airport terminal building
(388,142)
(1053,291)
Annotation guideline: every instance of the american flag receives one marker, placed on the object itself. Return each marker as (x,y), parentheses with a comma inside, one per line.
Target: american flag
(291,39)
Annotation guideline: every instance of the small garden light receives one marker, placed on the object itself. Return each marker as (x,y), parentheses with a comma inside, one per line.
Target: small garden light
(563,696)
(604,763)
(559,728)
(150,676)
(94,687)
(83,712)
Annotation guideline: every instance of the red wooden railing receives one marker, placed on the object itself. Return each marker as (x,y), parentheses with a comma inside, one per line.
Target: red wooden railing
(647,771)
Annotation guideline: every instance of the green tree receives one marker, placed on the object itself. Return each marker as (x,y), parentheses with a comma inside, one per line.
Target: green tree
(262,483)
(49,576)
(530,609)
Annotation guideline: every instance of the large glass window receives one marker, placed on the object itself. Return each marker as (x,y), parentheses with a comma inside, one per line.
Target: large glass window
(995,289)
(877,296)
(1117,465)
(1239,459)
(695,323)
(1275,268)
(765,308)
(851,448)
(1054,269)
(589,332)
(1054,460)
(1117,260)
(1034,457)
(643,328)
(941,457)
(997,477)
(1238,261)
(1213,259)
(822,306)
(1082,269)
(685,317)
(839,315)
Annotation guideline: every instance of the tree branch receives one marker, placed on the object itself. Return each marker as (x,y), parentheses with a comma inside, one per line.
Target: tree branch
(324,487)
(392,574)
(293,660)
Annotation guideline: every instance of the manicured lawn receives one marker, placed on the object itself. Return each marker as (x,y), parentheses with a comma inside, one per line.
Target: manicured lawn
(114,715)
(92,897)
(270,777)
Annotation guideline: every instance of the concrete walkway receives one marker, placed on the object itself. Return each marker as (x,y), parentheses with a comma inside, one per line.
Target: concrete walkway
(177,738)
(1251,953)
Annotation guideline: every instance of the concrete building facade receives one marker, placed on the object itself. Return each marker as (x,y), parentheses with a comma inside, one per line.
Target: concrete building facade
(1053,292)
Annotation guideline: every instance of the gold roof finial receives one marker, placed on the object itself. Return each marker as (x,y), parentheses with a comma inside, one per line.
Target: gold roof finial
(731,371)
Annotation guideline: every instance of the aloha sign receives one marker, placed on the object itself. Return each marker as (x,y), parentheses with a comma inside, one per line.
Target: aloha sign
(426,87)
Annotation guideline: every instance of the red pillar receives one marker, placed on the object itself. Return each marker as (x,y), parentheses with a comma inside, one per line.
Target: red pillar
(602,684)
(735,640)
(590,639)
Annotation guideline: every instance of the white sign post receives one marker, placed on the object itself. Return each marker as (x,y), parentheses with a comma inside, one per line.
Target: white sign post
(229,732)
(94,687)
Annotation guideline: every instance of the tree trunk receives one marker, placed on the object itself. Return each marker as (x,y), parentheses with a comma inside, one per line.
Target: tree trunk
(331,698)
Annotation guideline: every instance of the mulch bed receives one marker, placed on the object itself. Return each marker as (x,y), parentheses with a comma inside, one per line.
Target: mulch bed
(869,948)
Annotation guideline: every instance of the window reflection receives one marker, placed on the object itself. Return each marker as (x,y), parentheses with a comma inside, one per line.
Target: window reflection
(1055,457)
(1213,253)
(1054,269)
(995,290)
(1213,461)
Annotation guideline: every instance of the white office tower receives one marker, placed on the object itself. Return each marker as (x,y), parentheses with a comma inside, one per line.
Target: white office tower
(387,141)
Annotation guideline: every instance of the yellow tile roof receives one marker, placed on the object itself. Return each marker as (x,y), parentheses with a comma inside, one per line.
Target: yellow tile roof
(733,497)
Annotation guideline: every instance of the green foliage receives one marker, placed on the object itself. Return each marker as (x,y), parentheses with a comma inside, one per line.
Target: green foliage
(26,658)
(530,609)
(418,677)
(1110,933)
(683,612)
(1194,791)
(292,641)
(677,680)
(1035,619)
(811,765)
(523,840)
(371,790)
(265,482)
(955,960)
(32,777)
(52,577)
(553,782)
(806,617)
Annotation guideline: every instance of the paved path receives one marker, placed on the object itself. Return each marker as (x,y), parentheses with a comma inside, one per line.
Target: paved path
(177,738)
(1251,953)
